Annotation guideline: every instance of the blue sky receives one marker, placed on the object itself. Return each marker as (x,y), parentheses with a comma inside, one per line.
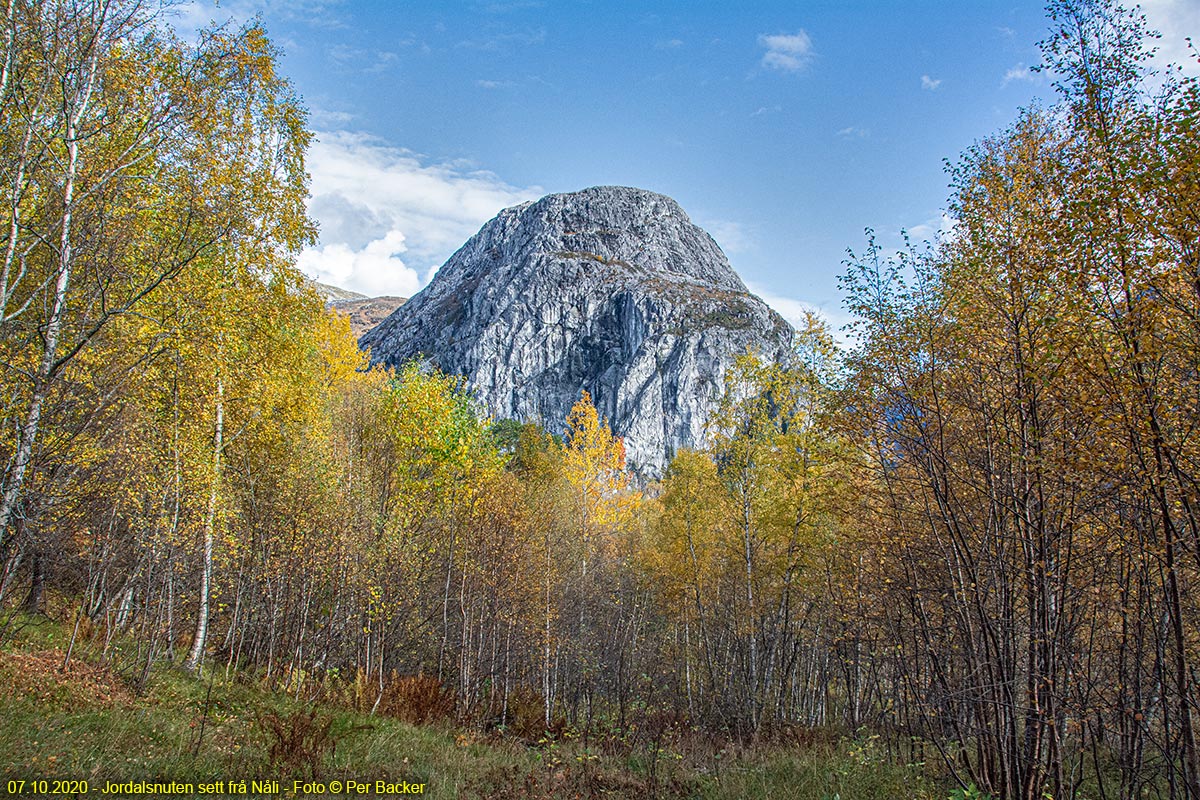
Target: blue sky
(784,129)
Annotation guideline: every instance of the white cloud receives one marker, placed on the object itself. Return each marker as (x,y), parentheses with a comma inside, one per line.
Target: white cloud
(374,202)
(854,132)
(343,53)
(733,237)
(775,109)
(384,60)
(1175,20)
(669,44)
(348,57)
(940,226)
(930,83)
(518,5)
(189,17)
(506,41)
(794,311)
(322,117)
(374,270)
(1020,72)
(485,84)
(786,52)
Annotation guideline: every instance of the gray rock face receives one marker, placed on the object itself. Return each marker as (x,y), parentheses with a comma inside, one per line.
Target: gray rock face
(609,289)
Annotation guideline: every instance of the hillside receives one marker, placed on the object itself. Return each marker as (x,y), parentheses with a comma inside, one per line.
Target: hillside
(610,290)
(367,312)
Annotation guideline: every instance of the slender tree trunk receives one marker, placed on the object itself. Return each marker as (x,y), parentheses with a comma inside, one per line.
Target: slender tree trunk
(546,700)
(48,363)
(446,604)
(6,60)
(751,609)
(196,656)
(35,600)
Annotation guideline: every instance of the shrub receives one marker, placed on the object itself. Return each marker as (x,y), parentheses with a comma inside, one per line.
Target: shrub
(417,699)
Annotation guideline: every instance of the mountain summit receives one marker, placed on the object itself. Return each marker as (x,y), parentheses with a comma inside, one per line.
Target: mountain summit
(610,289)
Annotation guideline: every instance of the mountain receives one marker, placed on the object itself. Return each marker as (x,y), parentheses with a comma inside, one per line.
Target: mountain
(334,294)
(610,289)
(366,312)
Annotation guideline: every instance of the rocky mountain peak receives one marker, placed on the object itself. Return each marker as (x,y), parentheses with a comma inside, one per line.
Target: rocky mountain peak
(609,289)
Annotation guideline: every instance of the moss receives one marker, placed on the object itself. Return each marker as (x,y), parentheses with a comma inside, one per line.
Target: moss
(600,259)
(734,316)
(704,306)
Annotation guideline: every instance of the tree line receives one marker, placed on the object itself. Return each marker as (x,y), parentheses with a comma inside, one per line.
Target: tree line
(973,533)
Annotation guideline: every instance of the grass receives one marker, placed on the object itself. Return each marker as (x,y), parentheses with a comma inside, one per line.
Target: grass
(86,723)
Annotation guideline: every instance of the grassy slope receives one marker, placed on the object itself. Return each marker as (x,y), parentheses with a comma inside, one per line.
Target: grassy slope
(87,723)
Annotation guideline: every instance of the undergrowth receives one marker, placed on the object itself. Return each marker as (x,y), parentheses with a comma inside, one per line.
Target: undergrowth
(88,723)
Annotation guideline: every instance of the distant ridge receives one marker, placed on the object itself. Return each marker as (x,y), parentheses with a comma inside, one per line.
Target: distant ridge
(334,293)
(367,312)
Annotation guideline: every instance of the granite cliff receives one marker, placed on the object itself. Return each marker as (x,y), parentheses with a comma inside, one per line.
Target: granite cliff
(610,289)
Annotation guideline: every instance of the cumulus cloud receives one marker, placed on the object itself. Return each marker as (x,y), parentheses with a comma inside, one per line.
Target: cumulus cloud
(930,83)
(376,269)
(376,202)
(786,52)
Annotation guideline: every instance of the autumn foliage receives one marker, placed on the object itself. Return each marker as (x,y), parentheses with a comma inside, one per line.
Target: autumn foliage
(974,535)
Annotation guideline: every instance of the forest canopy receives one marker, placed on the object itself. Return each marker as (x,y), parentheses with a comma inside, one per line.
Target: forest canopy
(975,533)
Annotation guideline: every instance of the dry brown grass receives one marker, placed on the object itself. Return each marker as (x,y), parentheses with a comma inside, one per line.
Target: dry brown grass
(38,675)
(417,699)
